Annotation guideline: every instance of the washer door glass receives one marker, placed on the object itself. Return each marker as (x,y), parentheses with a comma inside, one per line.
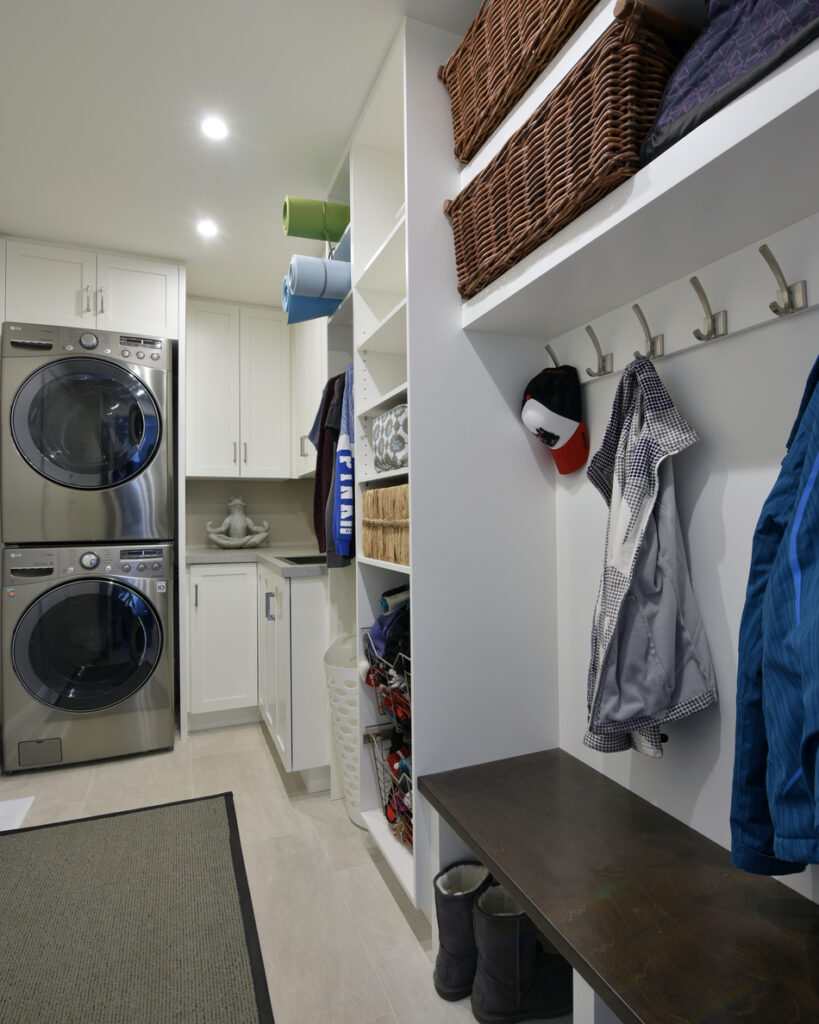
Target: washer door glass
(85,423)
(86,645)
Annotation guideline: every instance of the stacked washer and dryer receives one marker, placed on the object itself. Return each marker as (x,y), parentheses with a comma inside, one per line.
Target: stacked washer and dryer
(87,520)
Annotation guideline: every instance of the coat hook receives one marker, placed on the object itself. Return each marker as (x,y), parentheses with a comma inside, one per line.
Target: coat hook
(605,363)
(551,352)
(655,345)
(715,325)
(790,297)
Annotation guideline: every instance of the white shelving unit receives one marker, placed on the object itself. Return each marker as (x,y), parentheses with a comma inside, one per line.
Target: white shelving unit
(746,172)
(477,690)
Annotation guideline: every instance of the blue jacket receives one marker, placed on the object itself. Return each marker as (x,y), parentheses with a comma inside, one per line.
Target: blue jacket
(774,808)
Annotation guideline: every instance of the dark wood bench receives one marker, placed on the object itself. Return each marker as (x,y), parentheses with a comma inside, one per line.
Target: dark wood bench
(651,913)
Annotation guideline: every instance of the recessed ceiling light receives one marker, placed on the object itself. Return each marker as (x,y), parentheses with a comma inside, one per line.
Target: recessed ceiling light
(214,127)
(207,228)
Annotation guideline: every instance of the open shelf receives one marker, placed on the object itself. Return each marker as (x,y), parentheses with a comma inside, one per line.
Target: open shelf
(746,172)
(386,271)
(377,564)
(390,334)
(371,477)
(385,402)
(397,854)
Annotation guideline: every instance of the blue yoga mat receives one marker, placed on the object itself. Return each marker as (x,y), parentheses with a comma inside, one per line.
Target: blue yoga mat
(305,307)
(320,278)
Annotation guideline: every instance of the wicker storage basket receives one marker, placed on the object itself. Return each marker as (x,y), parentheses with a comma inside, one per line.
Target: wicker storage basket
(385,524)
(504,50)
(582,142)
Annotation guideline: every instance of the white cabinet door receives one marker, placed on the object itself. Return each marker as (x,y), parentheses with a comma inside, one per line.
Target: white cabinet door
(49,284)
(213,430)
(267,649)
(137,296)
(282,722)
(309,348)
(265,398)
(309,637)
(223,672)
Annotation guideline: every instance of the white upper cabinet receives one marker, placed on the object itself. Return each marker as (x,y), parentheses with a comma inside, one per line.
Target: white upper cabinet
(67,287)
(309,361)
(265,393)
(238,391)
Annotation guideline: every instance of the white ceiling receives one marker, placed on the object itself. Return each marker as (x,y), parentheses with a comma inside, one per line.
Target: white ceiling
(100,103)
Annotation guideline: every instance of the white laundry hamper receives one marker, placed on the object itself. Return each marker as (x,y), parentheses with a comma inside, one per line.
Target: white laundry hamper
(341,673)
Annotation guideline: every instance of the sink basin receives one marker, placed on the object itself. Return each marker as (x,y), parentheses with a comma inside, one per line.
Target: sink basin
(305,559)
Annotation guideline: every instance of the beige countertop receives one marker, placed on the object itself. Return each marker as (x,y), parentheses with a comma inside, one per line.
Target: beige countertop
(273,555)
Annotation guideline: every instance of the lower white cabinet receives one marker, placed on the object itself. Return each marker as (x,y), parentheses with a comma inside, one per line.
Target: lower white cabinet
(293,621)
(223,637)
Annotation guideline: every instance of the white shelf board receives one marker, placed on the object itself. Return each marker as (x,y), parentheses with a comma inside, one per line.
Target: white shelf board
(386,270)
(385,402)
(391,333)
(387,474)
(746,172)
(377,563)
(397,854)
(343,316)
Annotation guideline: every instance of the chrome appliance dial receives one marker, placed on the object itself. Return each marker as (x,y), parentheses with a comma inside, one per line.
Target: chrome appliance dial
(89,340)
(89,560)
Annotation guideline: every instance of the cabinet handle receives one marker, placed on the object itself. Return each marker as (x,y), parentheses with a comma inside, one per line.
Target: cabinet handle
(305,451)
(234,451)
(88,298)
(268,614)
(245,447)
(102,300)
(196,595)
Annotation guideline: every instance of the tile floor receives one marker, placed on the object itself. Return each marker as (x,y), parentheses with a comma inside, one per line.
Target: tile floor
(341,942)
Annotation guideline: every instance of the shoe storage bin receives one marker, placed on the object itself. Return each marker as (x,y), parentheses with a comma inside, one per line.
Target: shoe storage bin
(394,785)
(582,142)
(385,524)
(341,673)
(504,50)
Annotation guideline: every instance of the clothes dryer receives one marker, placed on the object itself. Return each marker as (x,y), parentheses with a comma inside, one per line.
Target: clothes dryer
(88,666)
(86,436)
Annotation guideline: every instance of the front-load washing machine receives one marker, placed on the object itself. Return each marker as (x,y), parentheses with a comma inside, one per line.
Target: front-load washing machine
(86,438)
(88,666)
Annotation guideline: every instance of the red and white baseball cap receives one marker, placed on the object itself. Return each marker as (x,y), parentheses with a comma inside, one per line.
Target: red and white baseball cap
(552,409)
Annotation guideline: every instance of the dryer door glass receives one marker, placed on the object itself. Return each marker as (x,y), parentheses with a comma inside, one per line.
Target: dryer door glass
(85,423)
(86,645)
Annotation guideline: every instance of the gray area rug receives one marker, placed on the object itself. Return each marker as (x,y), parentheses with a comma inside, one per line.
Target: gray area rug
(142,917)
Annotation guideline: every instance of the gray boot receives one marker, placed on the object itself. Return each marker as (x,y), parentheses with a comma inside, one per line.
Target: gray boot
(520,976)
(456,888)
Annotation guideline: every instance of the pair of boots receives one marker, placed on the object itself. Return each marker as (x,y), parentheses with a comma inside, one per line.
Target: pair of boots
(491,951)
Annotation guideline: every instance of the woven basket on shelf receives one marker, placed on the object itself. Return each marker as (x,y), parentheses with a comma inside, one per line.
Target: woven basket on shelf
(582,142)
(385,524)
(504,50)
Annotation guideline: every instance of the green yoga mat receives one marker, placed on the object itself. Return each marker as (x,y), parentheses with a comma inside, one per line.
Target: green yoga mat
(313,218)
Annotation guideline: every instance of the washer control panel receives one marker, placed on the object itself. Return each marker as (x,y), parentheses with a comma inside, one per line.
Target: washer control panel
(32,565)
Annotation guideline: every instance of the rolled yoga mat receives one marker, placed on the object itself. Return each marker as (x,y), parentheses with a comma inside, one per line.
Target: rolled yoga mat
(305,307)
(325,279)
(314,218)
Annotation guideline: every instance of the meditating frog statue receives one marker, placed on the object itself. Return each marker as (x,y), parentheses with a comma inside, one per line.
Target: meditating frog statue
(237,529)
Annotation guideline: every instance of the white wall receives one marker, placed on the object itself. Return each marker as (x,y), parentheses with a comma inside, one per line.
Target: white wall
(741,395)
(286,504)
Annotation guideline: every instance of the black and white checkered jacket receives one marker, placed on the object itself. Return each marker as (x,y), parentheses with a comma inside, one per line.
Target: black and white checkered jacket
(650,661)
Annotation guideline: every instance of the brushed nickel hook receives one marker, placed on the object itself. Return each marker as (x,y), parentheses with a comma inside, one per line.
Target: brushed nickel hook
(654,345)
(605,363)
(790,298)
(714,325)
(551,352)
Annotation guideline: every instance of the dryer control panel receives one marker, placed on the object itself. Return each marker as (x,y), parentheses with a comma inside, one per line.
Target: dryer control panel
(45,340)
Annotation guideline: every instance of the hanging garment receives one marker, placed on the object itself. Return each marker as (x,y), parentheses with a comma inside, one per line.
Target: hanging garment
(332,426)
(650,661)
(324,463)
(775,800)
(344,504)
